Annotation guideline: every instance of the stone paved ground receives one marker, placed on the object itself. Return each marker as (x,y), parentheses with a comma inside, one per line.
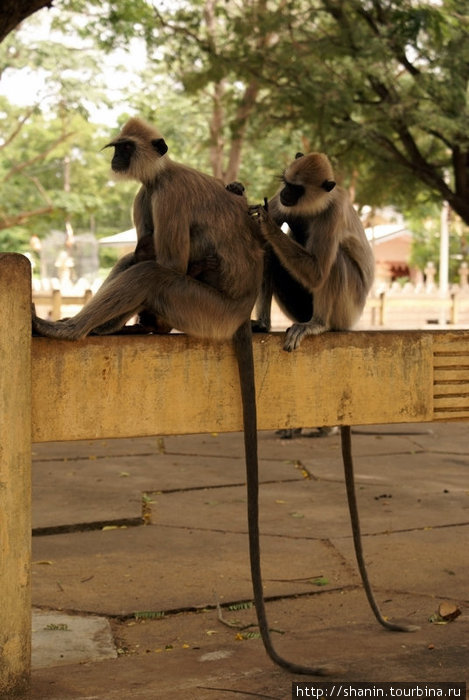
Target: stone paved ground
(153,588)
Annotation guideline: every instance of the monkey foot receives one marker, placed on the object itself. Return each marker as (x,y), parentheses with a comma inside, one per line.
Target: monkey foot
(288,433)
(298,331)
(61,330)
(259,327)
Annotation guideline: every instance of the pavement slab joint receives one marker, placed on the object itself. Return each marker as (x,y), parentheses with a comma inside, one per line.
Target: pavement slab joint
(194,542)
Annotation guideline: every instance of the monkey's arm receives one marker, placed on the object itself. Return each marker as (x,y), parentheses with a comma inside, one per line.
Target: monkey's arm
(145,249)
(141,214)
(309,267)
(155,214)
(274,211)
(171,227)
(264,300)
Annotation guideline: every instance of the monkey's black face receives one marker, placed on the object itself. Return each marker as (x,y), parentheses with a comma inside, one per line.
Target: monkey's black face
(290,194)
(123,152)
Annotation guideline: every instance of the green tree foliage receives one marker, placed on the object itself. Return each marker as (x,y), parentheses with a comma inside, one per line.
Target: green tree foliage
(380,85)
(182,44)
(47,153)
(52,170)
(424,220)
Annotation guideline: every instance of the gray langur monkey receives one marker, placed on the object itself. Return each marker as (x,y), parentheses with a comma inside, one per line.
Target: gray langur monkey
(145,250)
(320,273)
(191,217)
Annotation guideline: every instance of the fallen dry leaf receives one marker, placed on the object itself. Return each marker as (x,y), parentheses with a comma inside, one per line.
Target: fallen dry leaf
(448,611)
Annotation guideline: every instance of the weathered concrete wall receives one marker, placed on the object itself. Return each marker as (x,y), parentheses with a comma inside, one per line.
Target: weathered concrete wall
(129,386)
(15,473)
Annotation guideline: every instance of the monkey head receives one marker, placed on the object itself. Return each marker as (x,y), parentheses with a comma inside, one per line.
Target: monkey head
(138,151)
(307,182)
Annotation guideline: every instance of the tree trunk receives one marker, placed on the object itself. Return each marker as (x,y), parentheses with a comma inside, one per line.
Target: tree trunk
(216,131)
(239,126)
(12,12)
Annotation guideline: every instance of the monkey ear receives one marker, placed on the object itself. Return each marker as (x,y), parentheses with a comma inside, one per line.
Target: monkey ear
(328,185)
(160,146)
(299,155)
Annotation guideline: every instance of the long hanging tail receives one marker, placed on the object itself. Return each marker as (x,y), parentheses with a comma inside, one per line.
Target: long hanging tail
(346,438)
(243,347)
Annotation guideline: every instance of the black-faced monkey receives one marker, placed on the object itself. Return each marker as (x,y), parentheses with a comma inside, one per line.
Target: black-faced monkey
(322,270)
(320,273)
(191,217)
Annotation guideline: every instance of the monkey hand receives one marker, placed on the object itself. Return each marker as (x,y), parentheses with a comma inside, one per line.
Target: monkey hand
(210,263)
(259,213)
(235,188)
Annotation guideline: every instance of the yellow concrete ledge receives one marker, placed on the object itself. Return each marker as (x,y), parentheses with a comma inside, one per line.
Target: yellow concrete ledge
(134,386)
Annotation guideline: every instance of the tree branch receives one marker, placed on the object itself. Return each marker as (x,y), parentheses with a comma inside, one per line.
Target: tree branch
(460,160)
(40,156)
(40,189)
(9,221)
(21,122)
(13,12)
(182,29)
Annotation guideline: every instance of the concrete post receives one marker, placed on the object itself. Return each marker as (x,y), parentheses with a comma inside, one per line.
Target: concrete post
(56,304)
(15,473)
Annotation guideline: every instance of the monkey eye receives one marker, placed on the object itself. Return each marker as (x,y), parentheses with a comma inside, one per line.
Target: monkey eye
(328,185)
(125,149)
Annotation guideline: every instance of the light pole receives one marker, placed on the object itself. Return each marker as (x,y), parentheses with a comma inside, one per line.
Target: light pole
(444,259)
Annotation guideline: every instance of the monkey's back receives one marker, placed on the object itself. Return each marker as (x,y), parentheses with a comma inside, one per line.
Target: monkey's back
(235,237)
